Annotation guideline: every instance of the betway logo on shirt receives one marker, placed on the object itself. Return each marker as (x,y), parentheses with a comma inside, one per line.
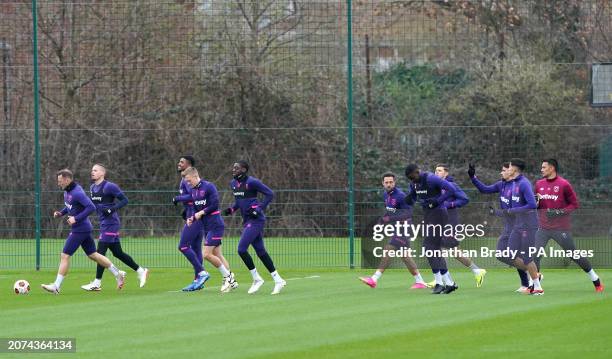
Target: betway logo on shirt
(96,198)
(238,193)
(505,200)
(549,196)
(516,198)
(391,209)
(423,191)
(200,203)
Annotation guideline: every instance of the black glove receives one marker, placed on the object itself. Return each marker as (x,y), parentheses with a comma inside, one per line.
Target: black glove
(174,201)
(253,213)
(552,213)
(228,211)
(184,215)
(107,212)
(471,170)
(430,203)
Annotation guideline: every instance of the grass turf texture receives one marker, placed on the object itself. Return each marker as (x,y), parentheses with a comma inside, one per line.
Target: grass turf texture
(331,316)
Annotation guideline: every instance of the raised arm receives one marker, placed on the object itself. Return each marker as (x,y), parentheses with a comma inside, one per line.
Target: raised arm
(483,188)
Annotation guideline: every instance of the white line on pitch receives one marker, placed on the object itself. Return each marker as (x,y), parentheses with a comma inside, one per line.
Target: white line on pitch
(311,277)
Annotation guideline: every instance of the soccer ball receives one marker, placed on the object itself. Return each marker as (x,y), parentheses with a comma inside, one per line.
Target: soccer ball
(22,287)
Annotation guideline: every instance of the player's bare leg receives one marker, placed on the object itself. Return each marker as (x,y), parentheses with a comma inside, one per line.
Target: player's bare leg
(215,257)
(384,264)
(62,271)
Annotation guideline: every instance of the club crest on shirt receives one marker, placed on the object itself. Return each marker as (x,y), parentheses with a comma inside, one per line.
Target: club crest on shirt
(556,188)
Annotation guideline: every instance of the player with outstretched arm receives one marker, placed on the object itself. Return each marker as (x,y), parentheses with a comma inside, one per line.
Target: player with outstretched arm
(503,187)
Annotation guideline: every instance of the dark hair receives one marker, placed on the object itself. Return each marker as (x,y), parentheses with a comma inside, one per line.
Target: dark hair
(190,159)
(553,162)
(244,164)
(411,168)
(388,174)
(66,173)
(506,165)
(443,165)
(518,163)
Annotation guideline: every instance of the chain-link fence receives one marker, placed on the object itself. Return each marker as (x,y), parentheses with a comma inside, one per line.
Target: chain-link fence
(136,84)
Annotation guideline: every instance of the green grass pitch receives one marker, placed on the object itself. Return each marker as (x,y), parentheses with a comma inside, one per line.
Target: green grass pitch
(320,314)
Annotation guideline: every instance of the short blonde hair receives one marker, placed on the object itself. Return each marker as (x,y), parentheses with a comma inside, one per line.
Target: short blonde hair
(190,171)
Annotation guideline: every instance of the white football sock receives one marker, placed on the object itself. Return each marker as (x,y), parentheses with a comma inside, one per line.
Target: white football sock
(593,275)
(418,278)
(438,278)
(475,269)
(447,279)
(113,270)
(376,276)
(254,274)
(140,270)
(277,278)
(97,282)
(224,271)
(536,284)
(58,280)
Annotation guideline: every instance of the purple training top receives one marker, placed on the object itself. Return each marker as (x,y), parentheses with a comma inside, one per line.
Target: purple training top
(79,206)
(396,207)
(103,196)
(205,197)
(430,187)
(245,195)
